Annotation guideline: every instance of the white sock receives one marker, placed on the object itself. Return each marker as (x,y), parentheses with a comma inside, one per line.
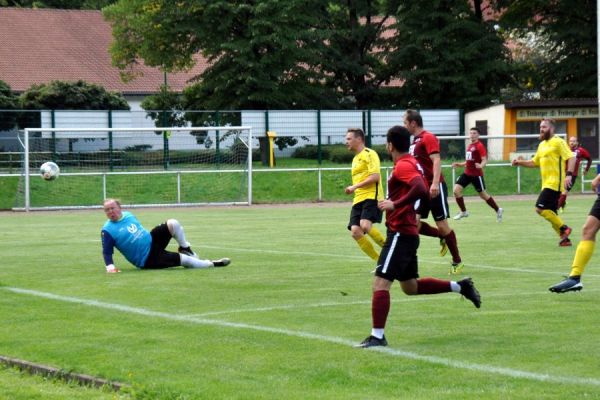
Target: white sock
(192,262)
(377,332)
(455,287)
(177,232)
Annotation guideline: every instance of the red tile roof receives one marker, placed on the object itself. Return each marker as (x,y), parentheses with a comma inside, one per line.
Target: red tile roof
(41,45)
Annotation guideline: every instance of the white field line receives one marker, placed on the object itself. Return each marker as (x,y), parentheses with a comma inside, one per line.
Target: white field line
(480,368)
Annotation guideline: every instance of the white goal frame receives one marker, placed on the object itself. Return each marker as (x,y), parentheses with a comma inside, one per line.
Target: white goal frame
(27,173)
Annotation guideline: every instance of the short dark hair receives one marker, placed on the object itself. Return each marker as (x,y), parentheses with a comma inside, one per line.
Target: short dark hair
(399,137)
(476,129)
(358,133)
(414,115)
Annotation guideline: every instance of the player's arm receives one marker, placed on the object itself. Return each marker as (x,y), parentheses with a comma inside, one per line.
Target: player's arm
(459,164)
(108,246)
(482,164)
(523,163)
(418,190)
(434,190)
(588,158)
(596,183)
(570,169)
(370,180)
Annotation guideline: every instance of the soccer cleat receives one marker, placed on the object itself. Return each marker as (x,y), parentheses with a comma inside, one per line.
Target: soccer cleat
(499,215)
(456,268)
(372,341)
(444,247)
(566,242)
(467,289)
(565,231)
(461,215)
(568,285)
(187,251)
(223,262)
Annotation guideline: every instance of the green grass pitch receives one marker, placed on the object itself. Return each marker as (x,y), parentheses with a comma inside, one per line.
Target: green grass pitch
(280,321)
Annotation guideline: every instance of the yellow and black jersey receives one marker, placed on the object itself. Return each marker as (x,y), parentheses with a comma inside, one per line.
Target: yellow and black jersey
(550,156)
(364,164)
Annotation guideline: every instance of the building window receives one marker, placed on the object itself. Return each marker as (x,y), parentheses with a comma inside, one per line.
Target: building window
(533,128)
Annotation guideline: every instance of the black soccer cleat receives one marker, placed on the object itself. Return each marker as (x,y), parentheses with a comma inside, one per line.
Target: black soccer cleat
(372,341)
(468,290)
(568,285)
(187,251)
(222,262)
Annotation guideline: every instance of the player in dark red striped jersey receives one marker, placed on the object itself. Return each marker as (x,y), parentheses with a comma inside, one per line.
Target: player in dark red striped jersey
(426,149)
(580,154)
(398,258)
(475,160)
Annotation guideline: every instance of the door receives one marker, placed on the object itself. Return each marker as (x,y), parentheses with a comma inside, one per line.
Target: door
(587,135)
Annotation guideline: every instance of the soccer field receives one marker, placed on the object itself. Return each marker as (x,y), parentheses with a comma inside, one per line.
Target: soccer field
(282,319)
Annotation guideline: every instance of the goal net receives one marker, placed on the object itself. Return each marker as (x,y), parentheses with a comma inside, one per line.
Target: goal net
(139,166)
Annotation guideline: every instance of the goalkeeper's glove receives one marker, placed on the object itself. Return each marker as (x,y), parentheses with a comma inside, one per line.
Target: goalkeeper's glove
(111,269)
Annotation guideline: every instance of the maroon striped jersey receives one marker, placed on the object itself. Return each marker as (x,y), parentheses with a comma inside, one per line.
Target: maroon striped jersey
(475,152)
(425,144)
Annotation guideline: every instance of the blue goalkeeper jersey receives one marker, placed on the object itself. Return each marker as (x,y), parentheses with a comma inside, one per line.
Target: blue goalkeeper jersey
(129,237)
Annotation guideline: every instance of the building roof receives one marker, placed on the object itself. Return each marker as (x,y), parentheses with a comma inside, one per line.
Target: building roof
(41,45)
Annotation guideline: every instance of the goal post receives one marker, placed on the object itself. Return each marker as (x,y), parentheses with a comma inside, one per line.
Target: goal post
(143,167)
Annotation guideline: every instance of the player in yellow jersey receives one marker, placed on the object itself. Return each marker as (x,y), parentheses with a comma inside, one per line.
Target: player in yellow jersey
(367,189)
(550,157)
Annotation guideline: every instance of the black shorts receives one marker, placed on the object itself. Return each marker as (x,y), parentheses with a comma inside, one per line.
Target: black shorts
(438,205)
(548,200)
(398,257)
(477,181)
(366,209)
(595,211)
(159,257)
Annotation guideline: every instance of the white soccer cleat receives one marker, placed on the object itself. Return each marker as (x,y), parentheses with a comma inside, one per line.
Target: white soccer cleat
(499,215)
(461,215)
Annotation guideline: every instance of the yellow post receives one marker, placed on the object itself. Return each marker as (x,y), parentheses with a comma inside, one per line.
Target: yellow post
(272,135)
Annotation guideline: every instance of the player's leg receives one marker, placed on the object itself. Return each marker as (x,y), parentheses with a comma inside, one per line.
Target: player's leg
(371,214)
(583,254)
(461,183)
(546,206)
(176,231)
(440,213)
(479,184)
(427,230)
(358,234)
(562,200)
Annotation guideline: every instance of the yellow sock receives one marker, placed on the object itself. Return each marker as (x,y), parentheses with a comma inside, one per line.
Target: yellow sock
(377,236)
(554,219)
(365,245)
(584,252)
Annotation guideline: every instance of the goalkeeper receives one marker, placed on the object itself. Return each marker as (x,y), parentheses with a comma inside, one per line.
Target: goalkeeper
(146,250)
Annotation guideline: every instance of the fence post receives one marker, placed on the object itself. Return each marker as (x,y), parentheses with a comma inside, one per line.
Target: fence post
(319,154)
(369,141)
(110,142)
(53,139)
(217,146)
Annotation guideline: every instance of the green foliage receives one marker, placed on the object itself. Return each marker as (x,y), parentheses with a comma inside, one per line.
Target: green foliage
(164,108)
(8,101)
(80,95)
(446,57)
(557,45)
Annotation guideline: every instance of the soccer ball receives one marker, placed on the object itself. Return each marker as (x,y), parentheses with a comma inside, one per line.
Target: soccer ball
(49,171)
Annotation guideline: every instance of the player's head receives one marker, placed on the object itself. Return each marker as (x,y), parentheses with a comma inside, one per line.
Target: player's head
(573,143)
(355,139)
(413,121)
(474,134)
(112,209)
(398,139)
(546,129)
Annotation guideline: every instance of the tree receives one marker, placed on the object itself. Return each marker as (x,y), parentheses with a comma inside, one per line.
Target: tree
(446,56)
(260,52)
(354,55)
(557,45)
(8,101)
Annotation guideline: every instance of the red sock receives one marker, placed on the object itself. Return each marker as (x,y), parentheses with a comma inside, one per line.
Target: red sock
(453,246)
(492,203)
(461,204)
(562,200)
(432,286)
(380,307)
(428,230)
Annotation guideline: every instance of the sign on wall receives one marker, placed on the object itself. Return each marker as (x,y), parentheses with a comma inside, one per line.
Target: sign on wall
(557,113)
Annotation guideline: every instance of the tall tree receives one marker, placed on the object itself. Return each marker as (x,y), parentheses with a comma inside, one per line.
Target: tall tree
(260,51)
(446,56)
(557,43)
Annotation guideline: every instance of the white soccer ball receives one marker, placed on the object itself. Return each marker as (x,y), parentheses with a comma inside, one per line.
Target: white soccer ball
(49,171)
